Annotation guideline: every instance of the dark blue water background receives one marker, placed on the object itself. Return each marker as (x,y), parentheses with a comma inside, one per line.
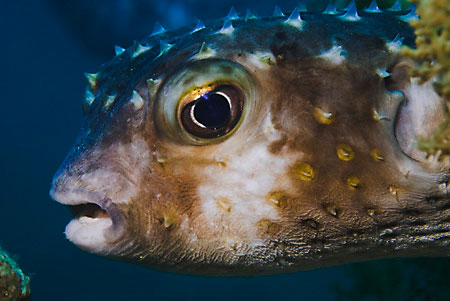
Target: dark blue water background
(45,48)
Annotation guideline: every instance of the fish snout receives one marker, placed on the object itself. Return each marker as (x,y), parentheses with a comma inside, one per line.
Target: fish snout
(98,222)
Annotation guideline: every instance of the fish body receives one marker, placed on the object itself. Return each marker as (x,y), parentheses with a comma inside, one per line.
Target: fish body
(258,146)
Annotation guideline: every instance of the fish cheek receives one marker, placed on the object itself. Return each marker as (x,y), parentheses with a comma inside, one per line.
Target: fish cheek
(343,148)
(152,218)
(160,218)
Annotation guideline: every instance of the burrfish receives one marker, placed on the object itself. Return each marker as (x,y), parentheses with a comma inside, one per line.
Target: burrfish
(259,145)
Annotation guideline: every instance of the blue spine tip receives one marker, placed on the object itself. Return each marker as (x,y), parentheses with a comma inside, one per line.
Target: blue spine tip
(199,26)
(412,8)
(164,45)
(301,6)
(249,14)
(352,13)
(227,27)
(349,6)
(411,16)
(139,49)
(331,9)
(89,98)
(295,19)
(232,15)
(158,29)
(373,7)
(277,12)
(118,50)
(295,15)
(398,39)
(396,7)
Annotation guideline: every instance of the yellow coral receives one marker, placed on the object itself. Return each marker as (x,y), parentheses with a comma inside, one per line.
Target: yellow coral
(433,51)
(433,43)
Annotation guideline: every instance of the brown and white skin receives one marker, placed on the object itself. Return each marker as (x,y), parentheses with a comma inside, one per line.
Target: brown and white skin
(315,164)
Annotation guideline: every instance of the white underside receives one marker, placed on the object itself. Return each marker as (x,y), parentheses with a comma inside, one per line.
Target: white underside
(243,185)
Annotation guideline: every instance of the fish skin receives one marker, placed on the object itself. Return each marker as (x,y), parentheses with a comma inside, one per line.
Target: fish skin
(313,176)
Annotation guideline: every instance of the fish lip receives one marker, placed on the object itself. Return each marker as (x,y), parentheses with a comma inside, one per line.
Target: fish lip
(112,233)
(117,217)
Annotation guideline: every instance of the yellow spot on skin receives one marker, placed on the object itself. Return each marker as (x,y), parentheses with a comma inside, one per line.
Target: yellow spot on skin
(280,57)
(353,183)
(323,117)
(162,161)
(224,204)
(345,152)
(269,227)
(377,117)
(276,198)
(305,172)
(264,224)
(331,209)
(167,221)
(394,191)
(222,163)
(376,155)
(231,243)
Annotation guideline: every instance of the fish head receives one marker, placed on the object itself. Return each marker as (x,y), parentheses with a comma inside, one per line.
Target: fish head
(259,146)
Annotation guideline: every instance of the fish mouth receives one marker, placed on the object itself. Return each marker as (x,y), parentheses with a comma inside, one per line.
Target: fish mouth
(97,222)
(88,211)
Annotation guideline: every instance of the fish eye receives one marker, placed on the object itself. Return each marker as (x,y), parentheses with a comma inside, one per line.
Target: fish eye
(205,101)
(213,114)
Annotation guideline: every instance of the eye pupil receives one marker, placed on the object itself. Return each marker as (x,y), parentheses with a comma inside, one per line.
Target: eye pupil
(214,114)
(212,110)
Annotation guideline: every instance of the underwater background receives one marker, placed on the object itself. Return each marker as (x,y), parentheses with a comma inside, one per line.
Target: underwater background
(46,47)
